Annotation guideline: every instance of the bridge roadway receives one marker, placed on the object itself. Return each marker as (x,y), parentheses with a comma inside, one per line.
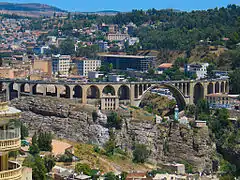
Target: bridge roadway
(185,91)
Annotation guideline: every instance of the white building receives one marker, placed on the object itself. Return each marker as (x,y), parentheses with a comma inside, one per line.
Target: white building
(86,65)
(199,69)
(61,64)
(94,74)
(117,37)
(115,78)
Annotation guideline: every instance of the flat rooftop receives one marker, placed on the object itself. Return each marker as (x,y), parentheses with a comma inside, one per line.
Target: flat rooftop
(125,56)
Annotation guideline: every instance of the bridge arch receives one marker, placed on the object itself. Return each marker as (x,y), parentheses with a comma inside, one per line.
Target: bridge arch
(178,95)
(51,90)
(25,88)
(222,87)
(109,89)
(124,92)
(93,92)
(77,91)
(210,88)
(217,87)
(198,92)
(38,89)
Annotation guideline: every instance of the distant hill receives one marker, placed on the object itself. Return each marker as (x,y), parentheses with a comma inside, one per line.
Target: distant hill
(104,12)
(28,7)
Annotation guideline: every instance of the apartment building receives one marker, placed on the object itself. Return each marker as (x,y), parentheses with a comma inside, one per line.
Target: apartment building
(117,37)
(61,64)
(86,65)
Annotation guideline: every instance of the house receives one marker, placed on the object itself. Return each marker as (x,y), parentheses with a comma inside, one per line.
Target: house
(200,70)
(163,67)
(136,176)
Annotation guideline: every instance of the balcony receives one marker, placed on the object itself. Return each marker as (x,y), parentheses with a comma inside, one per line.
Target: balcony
(10,139)
(14,172)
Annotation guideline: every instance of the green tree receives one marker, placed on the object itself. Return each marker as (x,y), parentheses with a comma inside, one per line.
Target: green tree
(140,153)
(114,120)
(235,82)
(110,176)
(210,72)
(83,168)
(67,47)
(38,168)
(49,162)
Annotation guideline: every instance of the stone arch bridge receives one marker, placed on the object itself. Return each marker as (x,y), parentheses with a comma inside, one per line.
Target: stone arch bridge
(185,92)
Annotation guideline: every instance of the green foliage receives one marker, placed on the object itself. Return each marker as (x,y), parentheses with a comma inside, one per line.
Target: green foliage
(110,145)
(49,162)
(37,165)
(87,51)
(110,176)
(202,108)
(114,121)
(44,141)
(96,149)
(83,168)
(235,81)
(67,47)
(226,167)
(140,153)
(210,73)
(65,158)
(190,110)
(34,149)
(180,62)
(188,166)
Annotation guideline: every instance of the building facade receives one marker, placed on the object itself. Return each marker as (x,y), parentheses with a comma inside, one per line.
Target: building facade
(10,140)
(44,66)
(61,64)
(125,62)
(86,65)
(220,100)
(117,37)
(199,69)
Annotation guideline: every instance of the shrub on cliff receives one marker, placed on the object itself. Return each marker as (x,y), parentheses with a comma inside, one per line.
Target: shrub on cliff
(140,153)
(114,121)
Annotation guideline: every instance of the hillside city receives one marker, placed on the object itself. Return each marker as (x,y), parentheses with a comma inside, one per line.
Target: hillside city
(149,94)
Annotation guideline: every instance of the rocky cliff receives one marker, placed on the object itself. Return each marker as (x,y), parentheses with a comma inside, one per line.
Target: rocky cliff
(167,143)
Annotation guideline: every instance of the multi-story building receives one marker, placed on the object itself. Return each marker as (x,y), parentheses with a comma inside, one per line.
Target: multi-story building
(61,64)
(10,140)
(86,65)
(43,65)
(199,69)
(219,100)
(117,37)
(124,62)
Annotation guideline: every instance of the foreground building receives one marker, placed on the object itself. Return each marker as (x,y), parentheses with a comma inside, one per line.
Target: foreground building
(61,64)
(9,141)
(199,69)
(86,65)
(125,62)
(220,100)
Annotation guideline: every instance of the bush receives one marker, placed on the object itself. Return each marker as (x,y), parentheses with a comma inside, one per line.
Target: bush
(65,158)
(140,153)
(96,149)
(114,121)
(83,168)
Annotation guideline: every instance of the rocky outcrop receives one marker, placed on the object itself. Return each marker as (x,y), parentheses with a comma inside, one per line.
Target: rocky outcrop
(58,117)
(167,143)
(170,143)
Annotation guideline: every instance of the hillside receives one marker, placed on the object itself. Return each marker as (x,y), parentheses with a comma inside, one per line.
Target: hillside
(29,9)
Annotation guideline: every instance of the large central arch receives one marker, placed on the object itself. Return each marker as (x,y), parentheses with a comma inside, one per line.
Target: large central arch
(178,95)
(198,93)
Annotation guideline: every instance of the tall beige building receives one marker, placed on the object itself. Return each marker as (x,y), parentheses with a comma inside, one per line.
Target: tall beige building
(10,140)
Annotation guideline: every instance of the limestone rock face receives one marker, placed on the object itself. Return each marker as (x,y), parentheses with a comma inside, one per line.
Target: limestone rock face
(167,143)
(59,118)
(170,142)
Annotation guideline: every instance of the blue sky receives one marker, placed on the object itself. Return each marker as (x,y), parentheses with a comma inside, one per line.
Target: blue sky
(128,5)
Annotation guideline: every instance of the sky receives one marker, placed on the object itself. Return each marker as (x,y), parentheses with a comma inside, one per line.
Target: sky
(128,5)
